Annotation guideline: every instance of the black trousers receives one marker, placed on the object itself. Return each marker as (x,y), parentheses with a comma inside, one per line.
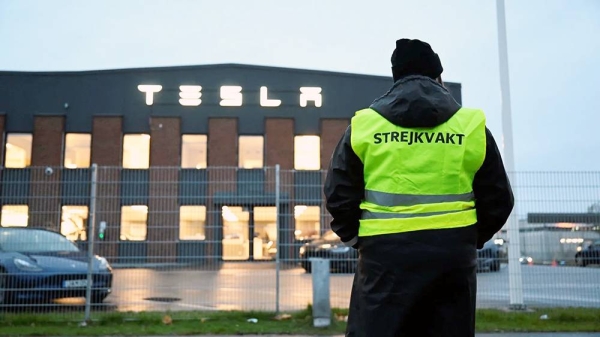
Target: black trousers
(413,301)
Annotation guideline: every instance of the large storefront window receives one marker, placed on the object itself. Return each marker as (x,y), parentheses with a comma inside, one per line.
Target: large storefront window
(73,223)
(136,151)
(308,222)
(236,245)
(192,222)
(251,152)
(193,151)
(14,216)
(307,152)
(134,223)
(265,233)
(18,150)
(249,232)
(77,150)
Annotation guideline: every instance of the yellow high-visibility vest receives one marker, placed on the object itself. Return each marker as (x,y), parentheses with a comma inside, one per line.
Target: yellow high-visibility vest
(418,178)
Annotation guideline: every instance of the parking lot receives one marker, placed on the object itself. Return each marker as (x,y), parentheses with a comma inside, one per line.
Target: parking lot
(247,286)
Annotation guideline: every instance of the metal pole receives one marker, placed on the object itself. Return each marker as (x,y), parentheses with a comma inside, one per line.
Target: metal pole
(278,225)
(91,237)
(515,280)
(321,296)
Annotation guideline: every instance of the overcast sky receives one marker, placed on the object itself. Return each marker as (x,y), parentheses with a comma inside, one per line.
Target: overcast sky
(553,45)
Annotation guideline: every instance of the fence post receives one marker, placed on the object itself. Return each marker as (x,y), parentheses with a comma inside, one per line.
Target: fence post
(278,225)
(321,298)
(91,237)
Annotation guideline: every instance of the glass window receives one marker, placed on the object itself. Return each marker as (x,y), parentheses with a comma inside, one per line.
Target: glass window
(265,232)
(73,224)
(77,150)
(14,216)
(251,152)
(308,222)
(192,222)
(134,223)
(307,152)
(18,150)
(193,151)
(136,151)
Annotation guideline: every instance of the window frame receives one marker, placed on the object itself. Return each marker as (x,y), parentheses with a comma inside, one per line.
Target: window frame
(239,152)
(318,156)
(65,148)
(122,221)
(135,167)
(28,151)
(181,156)
(2,210)
(180,238)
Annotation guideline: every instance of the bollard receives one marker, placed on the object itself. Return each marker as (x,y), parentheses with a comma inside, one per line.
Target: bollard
(321,300)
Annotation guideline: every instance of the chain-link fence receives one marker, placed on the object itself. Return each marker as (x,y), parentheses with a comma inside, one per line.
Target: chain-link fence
(227,238)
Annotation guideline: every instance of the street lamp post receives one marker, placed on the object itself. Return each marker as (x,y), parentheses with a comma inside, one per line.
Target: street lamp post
(515,280)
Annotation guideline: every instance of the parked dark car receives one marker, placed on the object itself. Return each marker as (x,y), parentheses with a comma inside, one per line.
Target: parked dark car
(38,266)
(329,246)
(343,259)
(489,257)
(589,255)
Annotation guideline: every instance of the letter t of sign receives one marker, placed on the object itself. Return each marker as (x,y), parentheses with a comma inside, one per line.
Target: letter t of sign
(149,90)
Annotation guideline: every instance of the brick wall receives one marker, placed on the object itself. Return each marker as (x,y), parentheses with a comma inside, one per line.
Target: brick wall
(331,133)
(45,189)
(107,146)
(163,205)
(222,151)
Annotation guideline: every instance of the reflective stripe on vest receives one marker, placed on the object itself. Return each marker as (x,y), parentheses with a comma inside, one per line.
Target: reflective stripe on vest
(393,199)
(418,178)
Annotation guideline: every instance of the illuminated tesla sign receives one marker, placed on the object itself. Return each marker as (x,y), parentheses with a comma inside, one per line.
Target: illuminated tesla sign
(232,96)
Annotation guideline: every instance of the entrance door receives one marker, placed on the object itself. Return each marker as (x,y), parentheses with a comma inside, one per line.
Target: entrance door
(249,233)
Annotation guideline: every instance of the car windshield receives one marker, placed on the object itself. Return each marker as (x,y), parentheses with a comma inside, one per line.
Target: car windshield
(31,241)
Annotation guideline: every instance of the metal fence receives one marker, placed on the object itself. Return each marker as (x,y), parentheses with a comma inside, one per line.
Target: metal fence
(226,238)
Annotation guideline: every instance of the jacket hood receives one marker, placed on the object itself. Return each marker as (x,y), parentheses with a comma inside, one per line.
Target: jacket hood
(416,101)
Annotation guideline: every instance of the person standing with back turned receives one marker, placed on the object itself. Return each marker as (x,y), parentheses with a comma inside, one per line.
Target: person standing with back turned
(416,184)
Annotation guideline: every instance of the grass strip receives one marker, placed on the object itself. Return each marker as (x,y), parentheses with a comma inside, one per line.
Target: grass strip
(183,323)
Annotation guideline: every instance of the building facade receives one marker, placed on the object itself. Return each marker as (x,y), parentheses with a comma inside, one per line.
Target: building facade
(186,156)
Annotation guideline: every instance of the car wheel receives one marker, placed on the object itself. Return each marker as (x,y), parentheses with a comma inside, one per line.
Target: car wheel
(98,298)
(307,266)
(3,285)
(495,266)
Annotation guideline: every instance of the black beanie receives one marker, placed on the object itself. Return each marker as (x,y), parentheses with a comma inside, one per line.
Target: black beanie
(415,57)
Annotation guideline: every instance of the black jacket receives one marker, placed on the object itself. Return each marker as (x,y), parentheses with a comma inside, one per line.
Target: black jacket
(415,101)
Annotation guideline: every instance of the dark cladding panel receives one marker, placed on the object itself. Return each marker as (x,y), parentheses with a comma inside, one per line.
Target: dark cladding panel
(455,90)
(306,125)
(194,124)
(76,184)
(15,186)
(251,125)
(192,187)
(251,182)
(117,93)
(134,187)
(308,186)
(136,123)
